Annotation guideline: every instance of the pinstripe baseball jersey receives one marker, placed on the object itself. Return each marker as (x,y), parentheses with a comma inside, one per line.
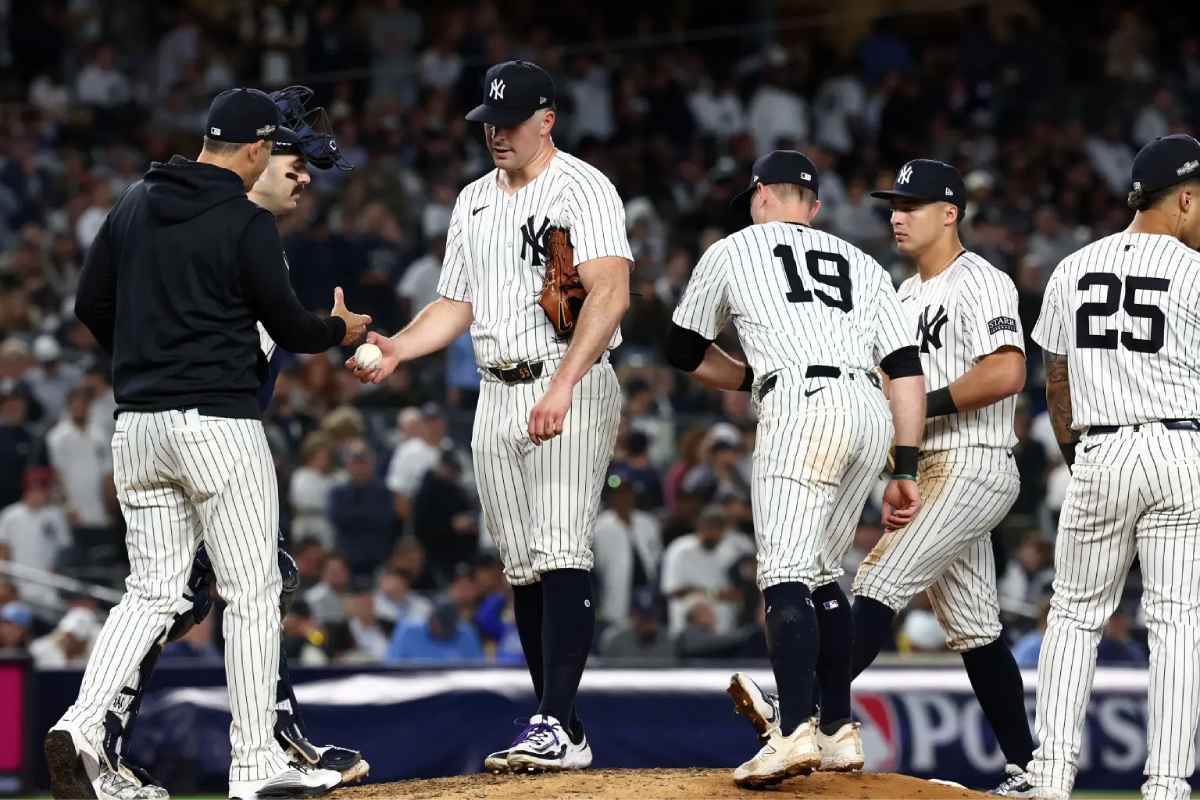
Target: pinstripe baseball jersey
(796,296)
(965,312)
(496,253)
(1123,310)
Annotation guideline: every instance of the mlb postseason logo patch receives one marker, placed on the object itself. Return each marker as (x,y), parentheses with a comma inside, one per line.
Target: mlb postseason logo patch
(1002,324)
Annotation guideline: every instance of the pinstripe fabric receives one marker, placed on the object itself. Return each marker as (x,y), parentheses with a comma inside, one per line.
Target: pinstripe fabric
(742,278)
(181,477)
(1119,385)
(1131,493)
(965,312)
(815,460)
(493,260)
(946,549)
(540,503)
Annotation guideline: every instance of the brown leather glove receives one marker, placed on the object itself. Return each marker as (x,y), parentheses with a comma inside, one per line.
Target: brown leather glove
(562,291)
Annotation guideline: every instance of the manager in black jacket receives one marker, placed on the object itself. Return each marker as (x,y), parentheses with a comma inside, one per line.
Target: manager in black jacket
(181,270)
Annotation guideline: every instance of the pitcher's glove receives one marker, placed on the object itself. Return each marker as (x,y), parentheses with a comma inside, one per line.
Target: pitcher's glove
(562,291)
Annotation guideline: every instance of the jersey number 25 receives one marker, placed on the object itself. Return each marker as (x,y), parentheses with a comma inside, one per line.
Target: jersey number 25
(1107,340)
(840,281)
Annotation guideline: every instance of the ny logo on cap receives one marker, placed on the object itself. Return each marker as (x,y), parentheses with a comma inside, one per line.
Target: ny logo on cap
(905,174)
(497,90)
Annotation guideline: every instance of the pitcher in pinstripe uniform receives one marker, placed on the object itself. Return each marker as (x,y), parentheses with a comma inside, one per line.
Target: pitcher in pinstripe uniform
(1120,327)
(964,313)
(548,409)
(815,315)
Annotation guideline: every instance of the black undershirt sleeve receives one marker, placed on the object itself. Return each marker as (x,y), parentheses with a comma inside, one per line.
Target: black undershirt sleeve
(685,349)
(902,363)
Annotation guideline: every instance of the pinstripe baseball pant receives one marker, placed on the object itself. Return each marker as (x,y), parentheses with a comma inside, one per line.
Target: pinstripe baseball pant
(182,477)
(947,548)
(540,503)
(816,458)
(1132,492)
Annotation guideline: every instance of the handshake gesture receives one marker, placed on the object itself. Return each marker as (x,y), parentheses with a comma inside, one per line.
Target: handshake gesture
(356,324)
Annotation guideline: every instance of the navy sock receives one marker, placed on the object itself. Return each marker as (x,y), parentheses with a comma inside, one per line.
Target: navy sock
(836,629)
(568,627)
(997,682)
(792,643)
(872,627)
(527,607)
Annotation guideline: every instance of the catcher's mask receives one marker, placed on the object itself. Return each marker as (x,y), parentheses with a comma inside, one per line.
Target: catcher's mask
(314,132)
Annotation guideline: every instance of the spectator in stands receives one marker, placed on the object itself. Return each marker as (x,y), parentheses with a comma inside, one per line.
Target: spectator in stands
(415,456)
(1117,646)
(83,464)
(309,555)
(722,473)
(777,114)
(362,512)
(34,533)
(1111,156)
(445,637)
(640,636)
(418,286)
(627,546)
(1051,241)
(369,637)
(690,445)
(921,633)
(16,626)
(1155,118)
(409,559)
(52,379)
(494,618)
(326,600)
(396,602)
(69,644)
(444,517)
(1028,576)
(1027,648)
(866,536)
(304,639)
(696,566)
(16,442)
(640,473)
(311,486)
(100,83)
(702,636)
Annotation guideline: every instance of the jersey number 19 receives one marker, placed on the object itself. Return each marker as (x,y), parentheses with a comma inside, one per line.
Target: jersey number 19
(796,291)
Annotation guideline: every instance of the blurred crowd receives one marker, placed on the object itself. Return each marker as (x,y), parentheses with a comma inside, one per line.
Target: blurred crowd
(1041,110)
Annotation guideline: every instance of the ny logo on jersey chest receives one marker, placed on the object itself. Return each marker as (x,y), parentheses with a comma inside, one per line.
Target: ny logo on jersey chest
(535,241)
(929,329)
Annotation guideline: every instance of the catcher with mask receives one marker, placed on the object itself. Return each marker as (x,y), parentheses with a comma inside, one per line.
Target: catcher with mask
(278,190)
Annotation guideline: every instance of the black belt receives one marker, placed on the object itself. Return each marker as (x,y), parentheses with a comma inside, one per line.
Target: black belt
(816,371)
(1169,424)
(523,371)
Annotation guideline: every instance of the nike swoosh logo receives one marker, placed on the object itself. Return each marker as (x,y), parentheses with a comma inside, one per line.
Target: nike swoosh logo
(475,211)
(811,392)
(1090,448)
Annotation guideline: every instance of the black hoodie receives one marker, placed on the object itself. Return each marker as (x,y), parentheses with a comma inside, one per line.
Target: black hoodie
(183,267)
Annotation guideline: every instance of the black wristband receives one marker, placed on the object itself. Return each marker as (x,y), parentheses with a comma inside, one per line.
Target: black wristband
(905,462)
(939,403)
(748,380)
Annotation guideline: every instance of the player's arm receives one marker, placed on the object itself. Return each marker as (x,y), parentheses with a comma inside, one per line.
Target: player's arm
(705,361)
(607,282)
(96,296)
(1058,400)
(992,329)
(906,397)
(270,296)
(993,378)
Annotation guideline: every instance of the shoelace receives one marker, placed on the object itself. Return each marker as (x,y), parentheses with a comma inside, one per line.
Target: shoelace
(117,784)
(1010,783)
(539,734)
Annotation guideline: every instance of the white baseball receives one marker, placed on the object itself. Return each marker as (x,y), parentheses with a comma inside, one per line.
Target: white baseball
(368,355)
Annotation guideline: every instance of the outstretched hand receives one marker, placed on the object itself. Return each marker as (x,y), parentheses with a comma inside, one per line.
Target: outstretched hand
(356,324)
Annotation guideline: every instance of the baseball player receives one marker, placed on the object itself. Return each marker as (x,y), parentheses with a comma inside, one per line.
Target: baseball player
(173,285)
(278,191)
(548,408)
(1119,327)
(815,315)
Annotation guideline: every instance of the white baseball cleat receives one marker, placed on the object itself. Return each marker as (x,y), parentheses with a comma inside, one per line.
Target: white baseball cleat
(297,780)
(544,746)
(782,757)
(77,770)
(578,755)
(843,751)
(754,704)
(1016,784)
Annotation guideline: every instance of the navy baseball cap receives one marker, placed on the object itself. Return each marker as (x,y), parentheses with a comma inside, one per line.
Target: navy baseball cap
(242,116)
(1166,161)
(927,180)
(512,91)
(779,166)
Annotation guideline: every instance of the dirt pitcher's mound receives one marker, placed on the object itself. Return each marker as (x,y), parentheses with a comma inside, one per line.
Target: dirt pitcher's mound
(651,784)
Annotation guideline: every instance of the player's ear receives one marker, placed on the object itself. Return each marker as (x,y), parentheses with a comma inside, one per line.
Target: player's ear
(548,119)
(952,212)
(814,209)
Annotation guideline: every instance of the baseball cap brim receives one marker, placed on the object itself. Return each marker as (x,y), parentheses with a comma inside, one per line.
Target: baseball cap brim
(497,116)
(284,135)
(892,194)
